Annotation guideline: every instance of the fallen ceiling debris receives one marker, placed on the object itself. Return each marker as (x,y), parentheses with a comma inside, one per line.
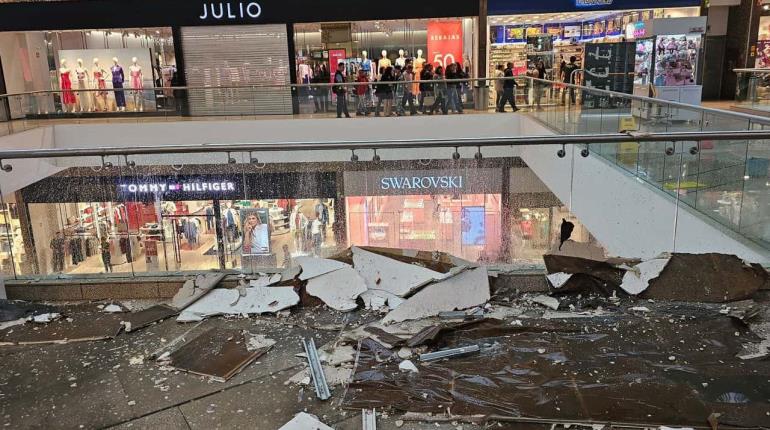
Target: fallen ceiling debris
(218,353)
(223,301)
(466,290)
(339,289)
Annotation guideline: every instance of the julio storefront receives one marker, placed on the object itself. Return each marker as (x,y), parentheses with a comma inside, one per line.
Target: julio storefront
(214,44)
(151,224)
(458,211)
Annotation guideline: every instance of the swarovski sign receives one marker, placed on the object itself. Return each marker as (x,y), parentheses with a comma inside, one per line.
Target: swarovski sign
(230,11)
(185,187)
(421,182)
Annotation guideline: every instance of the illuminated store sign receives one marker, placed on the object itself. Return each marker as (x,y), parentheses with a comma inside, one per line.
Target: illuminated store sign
(185,187)
(421,182)
(593,3)
(230,10)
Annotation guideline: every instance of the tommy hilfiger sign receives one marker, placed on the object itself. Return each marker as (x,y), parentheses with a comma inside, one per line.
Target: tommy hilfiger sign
(230,11)
(184,187)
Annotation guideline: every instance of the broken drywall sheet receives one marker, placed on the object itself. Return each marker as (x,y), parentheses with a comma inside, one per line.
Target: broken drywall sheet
(334,376)
(194,289)
(638,278)
(547,301)
(463,291)
(305,421)
(558,280)
(266,280)
(338,289)
(257,341)
(314,266)
(392,276)
(378,299)
(223,301)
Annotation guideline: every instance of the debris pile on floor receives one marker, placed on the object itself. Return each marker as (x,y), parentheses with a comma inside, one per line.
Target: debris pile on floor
(676,340)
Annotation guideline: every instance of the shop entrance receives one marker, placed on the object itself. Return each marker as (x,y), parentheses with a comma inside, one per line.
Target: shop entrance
(191,239)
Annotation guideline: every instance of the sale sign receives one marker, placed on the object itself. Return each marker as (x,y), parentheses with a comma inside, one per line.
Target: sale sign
(335,56)
(445,42)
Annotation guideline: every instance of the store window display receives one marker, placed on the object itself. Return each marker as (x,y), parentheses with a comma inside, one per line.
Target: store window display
(39,56)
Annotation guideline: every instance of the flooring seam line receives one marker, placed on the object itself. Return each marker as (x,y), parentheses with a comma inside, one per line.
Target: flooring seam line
(202,396)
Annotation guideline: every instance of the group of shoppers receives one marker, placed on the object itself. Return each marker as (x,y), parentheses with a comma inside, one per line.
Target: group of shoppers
(505,84)
(395,90)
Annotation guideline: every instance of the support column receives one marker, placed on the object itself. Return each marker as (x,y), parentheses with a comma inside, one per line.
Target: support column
(220,234)
(505,226)
(481,55)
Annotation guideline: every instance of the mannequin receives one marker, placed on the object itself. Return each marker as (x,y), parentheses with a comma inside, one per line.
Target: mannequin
(401,60)
(99,77)
(135,71)
(68,98)
(117,84)
(419,62)
(83,83)
(384,60)
(366,63)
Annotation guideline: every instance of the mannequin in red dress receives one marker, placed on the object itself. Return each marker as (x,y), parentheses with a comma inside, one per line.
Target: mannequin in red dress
(68,98)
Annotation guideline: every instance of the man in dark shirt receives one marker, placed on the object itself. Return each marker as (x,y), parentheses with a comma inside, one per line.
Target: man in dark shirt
(568,77)
(339,90)
(509,89)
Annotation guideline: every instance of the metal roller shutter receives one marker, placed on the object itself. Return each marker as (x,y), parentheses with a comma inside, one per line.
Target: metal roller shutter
(237,55)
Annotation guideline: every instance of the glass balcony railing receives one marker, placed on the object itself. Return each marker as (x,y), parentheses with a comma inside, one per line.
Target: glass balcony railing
(753,90)
(149,211)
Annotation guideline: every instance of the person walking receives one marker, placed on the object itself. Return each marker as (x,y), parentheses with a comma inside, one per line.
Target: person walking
(385,91)
(361,89)
(426,87)
(339,90)
(509,89)
(455,89)
(568,77)
(106,256)
(540,73)
(440,89)
(408,97)
(498,86)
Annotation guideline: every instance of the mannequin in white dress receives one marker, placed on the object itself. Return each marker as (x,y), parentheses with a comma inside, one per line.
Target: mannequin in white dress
(401,60)
(84,82)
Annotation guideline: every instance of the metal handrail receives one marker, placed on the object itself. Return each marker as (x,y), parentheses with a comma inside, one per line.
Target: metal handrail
(587,139)
(750,70)
(738,115)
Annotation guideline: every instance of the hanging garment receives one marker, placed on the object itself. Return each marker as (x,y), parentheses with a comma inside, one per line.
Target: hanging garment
(67,96)
(209,218)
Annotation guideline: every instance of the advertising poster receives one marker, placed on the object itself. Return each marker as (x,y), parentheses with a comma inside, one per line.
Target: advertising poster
(497,34)
(572,31)
(514,34)
(445,42)
(335,56)
(553,30)
(763,54)
(614,26)
(764,28)
(534,30)
(473,225)
(255,224)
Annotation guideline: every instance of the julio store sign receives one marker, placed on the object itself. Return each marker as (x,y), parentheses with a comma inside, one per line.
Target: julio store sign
(223,11)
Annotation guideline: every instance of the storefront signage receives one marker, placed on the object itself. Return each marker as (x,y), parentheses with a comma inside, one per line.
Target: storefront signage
(185,187)
(445,42)
(230,10)
(593,3)
(511,7)
(421,182)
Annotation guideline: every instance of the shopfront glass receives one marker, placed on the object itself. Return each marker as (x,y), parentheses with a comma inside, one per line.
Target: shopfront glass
(466,225)
(367,47)
(121,62)
(553,38)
